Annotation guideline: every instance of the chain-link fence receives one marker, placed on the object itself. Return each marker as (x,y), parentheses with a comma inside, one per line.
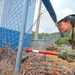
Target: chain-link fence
(38,34)
(44,31)
(11,22)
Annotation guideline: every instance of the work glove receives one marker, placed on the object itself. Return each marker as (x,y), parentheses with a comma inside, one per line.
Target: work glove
(69,56)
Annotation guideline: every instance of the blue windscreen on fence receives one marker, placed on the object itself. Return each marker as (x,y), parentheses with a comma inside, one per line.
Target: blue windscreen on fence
(13,40)
(11,23)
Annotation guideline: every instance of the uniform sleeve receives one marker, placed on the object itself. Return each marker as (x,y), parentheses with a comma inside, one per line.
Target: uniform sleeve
(72,38)
(70,55)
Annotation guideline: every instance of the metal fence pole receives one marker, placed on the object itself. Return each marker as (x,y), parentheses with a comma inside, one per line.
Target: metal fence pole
(21,40)
(37,23)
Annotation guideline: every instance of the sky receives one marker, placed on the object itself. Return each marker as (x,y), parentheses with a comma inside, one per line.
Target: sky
(47,24)
(61,4)
(50,27)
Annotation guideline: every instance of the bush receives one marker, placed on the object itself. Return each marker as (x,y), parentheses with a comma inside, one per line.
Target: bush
(62,41)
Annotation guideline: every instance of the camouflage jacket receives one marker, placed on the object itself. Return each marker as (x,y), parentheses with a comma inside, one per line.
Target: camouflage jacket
(71,53)
(72,38)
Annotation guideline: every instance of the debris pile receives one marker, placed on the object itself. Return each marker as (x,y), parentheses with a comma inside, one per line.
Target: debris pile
(36,66)
(54,48)
(32,64)
(7,61)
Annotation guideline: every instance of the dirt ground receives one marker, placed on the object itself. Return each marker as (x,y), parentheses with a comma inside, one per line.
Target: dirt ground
(35,64)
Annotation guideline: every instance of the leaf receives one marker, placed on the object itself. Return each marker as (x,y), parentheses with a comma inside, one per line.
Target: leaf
(55,72)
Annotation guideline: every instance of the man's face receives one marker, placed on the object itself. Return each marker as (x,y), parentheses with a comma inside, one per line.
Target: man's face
(65,27)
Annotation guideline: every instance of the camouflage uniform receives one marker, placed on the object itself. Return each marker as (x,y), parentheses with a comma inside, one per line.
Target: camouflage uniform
(72,38)
(66,54)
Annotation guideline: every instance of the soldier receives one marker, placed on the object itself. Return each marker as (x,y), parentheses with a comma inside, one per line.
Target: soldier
(66,23)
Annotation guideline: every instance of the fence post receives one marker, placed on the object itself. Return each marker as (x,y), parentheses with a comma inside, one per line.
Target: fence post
(21,39)
(37,14)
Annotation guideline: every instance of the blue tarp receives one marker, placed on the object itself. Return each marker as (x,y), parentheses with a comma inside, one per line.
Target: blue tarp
(50,9)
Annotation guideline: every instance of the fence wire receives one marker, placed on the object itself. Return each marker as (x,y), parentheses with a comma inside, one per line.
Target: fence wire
(11,22)
(48,33)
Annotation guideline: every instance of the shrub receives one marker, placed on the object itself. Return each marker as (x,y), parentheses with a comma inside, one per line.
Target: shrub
(62,41)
